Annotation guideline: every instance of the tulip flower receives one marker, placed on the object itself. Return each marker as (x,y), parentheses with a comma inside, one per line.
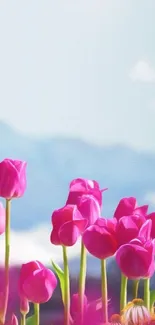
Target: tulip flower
(136,313)
(151,217)
(24,305)
(74,308)
(36,282)
(128,206)
(100,240)
(89,208)
(12,178)
(127,228)
(136,259)
(13,320)
(12,185)
(81,186)
(68,225)
(2,219)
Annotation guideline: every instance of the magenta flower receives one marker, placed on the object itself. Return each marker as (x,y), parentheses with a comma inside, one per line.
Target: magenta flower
(2,219)
(68,225)
(127,228)
(81,186)
(128,206)
(24,305)
(12,321)
(100,239)
(136,259)
(36,282)
(74,308)
(89,208)
(12,178)
(151,216)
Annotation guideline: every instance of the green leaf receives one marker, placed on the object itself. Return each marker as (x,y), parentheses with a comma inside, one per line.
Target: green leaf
(31,320)
(60,274)
(152,298)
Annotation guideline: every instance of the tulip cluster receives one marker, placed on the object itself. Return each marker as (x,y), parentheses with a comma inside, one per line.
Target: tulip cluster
(129,236)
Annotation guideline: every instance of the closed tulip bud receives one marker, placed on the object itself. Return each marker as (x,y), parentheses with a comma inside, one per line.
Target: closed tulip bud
(12,178)
(36,282)
(24,306)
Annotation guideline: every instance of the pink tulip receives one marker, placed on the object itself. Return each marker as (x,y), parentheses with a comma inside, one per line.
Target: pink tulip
(136,259)
(2,219)
(81,186)
(126,230)
(151,216)
(74,308)
(128,206)
(145,231)
(12,178)
(100,239)
(12,321)
(24,305)
(36,282)
(89,208)
(68,225)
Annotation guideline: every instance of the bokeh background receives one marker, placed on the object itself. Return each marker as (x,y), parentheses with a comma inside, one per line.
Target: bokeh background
(77,99)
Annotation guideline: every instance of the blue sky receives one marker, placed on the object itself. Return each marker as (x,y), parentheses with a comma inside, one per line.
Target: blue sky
(80,68)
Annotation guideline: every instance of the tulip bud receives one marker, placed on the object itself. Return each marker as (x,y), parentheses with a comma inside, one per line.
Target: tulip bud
(12,178)
(36,283)
(24,306)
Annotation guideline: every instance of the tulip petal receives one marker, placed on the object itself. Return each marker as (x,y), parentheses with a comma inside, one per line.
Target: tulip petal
(126,230)
(135,261)
(69,234)
(40,285)
(125,207)
(26,270)
(145,230)
(99,242)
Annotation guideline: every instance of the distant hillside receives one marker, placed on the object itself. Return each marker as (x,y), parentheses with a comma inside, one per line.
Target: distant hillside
(52,163)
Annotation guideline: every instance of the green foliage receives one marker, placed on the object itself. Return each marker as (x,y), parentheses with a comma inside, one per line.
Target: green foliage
(60,274)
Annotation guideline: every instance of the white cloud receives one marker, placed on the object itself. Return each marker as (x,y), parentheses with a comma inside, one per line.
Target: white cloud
(34,244)
(143,72)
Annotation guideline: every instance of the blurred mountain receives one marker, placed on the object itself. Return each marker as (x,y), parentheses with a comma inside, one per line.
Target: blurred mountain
(53,163)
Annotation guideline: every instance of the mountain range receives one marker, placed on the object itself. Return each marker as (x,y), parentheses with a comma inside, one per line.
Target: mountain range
(54,162)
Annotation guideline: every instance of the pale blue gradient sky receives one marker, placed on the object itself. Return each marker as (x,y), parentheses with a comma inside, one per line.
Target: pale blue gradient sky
(67,67)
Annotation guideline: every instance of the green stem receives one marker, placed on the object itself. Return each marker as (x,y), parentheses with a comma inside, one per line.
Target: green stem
(147,293)
(104,291)
(23,319)
(67,288)
(37,314)
(82,280)
(7,257)
(135,288)
(123,294)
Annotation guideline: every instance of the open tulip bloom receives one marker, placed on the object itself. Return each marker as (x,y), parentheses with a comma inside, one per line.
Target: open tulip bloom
(128,236)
